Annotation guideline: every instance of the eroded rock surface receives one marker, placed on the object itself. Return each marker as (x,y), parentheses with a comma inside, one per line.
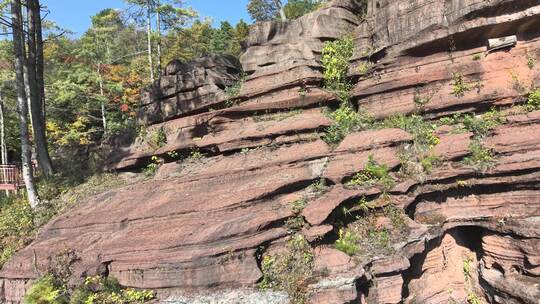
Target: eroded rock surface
(198,231)
(186,88)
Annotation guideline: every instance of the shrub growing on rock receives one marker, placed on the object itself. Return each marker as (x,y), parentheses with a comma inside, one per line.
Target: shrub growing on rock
(94,290)
(346,120)
(290,270)
(373,174)
(533,100)
(335,61)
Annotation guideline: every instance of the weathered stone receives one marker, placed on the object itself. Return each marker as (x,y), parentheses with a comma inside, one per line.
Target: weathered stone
(187,88)
(195,232)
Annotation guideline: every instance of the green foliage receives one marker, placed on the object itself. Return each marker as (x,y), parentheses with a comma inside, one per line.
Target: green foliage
(45,291)
(335,61)
(268,10)
(157,139)
(318,188)
(533,99)
(298,205)
(153,166)
(224,41)
(100,290)
(477,57)
(396,217)
(481,158)
(295,223)
(346,120)
(366,238)
(472,298)
(94,290)
(365,67)
(480,126)
(467,268)
(373,174)
(297,8)
(364,205)
(460,87)
(428,162)
(234,90)
(423,131)
(290,270)
(196,154)
(17,227)
(347,242)
(420,101)
(531,60)
(263,10)
(417,160)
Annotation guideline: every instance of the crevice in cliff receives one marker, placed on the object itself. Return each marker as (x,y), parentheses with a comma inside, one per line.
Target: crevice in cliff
(478,36)
(468,237)
(441,196)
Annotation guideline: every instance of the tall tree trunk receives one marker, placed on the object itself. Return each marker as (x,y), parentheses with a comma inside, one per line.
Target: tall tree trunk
(158,27)
(22,106)
(102,93)
(149,38)
(36,20)
(281,10)
(34,96)
(3,146)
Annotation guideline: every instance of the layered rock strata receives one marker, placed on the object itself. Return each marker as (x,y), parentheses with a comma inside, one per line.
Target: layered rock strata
(198,231)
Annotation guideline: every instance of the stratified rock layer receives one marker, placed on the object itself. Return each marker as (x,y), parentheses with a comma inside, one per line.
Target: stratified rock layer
(196,231)
(187,88)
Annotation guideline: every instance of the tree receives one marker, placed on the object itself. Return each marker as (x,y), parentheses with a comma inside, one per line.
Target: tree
(223,39)
(298,8)
(18,49)
(265,10)
(98,44)
(35,86)
(168,14)
(189,43)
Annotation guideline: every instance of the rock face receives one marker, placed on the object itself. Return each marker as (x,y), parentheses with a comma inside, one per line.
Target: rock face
(187,88)
(198,231)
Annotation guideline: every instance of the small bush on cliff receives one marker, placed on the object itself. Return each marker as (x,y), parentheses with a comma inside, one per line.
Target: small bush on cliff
(422,131)
(481,158)
(531,60)
(335,61)
(533,100)
(347,242)
(460,87)
(234,90)
(157,139)
(366,238)
(94,290)
(373,174)
(346,120)
(482,125)
(417,159)
(289,271)
(45,291)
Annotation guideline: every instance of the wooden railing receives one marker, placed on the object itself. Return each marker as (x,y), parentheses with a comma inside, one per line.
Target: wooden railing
(10,177)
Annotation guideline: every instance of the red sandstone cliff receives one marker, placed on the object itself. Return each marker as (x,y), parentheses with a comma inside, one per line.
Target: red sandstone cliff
(199,230)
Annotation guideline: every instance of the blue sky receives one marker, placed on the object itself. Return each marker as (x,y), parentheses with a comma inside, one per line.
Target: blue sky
(75,14)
